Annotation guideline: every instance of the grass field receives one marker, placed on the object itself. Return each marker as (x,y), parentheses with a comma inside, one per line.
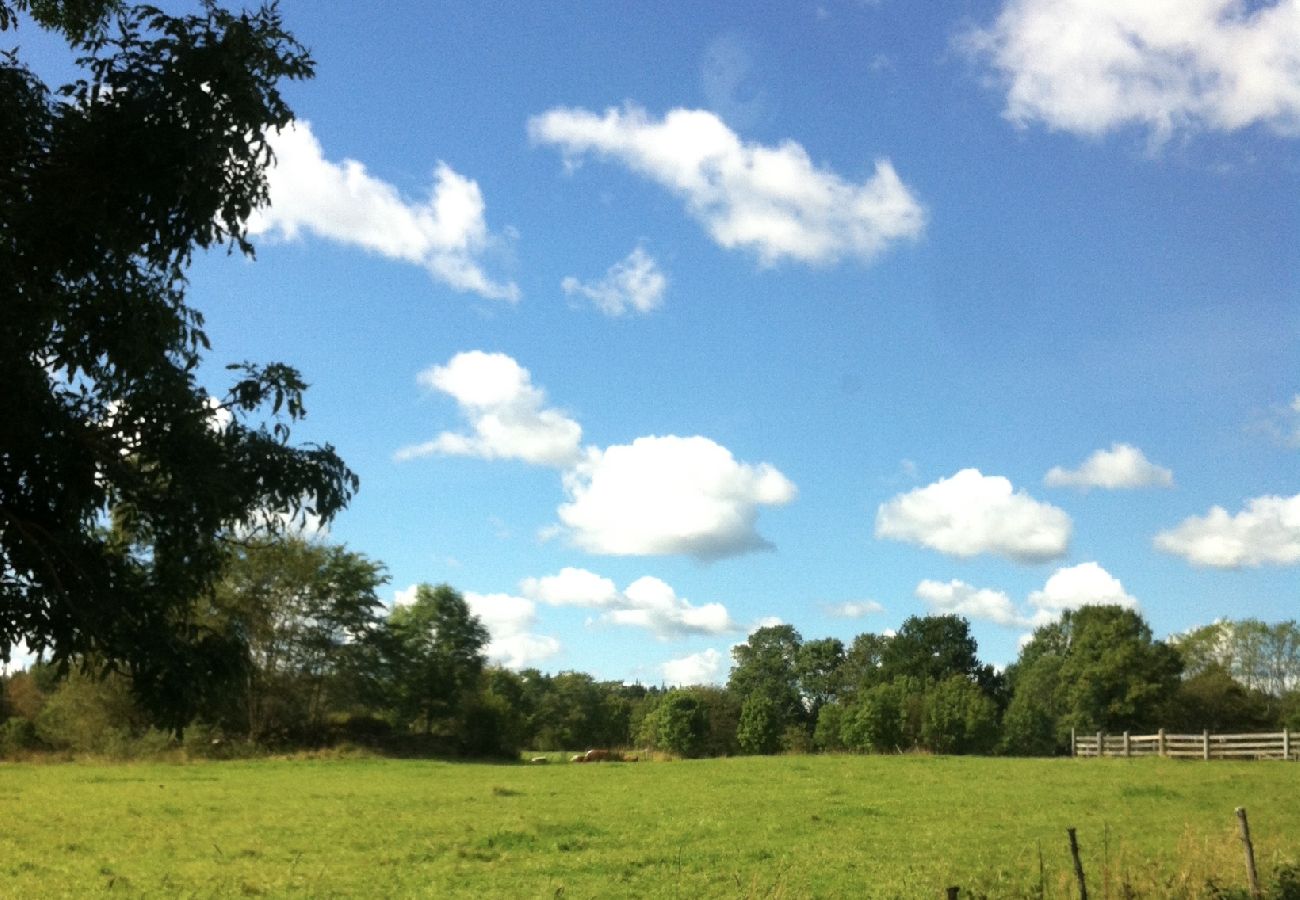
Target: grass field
(753,827)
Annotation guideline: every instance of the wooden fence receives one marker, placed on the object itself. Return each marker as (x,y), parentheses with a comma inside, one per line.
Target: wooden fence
(1273,745)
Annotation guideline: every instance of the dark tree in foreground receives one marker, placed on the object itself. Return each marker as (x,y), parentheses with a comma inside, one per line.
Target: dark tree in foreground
(121,475)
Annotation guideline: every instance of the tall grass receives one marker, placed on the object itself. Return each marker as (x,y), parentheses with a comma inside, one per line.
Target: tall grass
(753,827)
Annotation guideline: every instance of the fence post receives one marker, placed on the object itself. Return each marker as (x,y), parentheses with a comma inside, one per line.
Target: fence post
(1074,747)
(1078,864)
(1250,853)
(1286,743)
(1126,745)
(1205,744)
(1101,745)
(1160,742)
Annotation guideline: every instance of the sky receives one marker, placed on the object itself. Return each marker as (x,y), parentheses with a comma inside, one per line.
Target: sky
(645,325)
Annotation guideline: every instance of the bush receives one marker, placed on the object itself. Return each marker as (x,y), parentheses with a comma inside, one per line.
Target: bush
(18,736)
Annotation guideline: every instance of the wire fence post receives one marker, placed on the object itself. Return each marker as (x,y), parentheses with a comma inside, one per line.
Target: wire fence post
(1251,874)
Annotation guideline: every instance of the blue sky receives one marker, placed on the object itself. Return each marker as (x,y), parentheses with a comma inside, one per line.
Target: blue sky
(644,324)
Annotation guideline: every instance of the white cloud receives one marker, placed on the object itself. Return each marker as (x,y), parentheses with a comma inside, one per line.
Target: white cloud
(705,667)
(446,234)
(1266,532)
(971,513)
(572,587)
(506,412)
(633,284)
(668,495)
(405,596)
(1071,587)
(509,620)
(854,609)
(1086,584)
(959,598)
(1122,466)
(1093,66)
(771,200)
(647,603)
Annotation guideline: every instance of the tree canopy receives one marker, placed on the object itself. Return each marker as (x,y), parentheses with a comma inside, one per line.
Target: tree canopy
(122,475)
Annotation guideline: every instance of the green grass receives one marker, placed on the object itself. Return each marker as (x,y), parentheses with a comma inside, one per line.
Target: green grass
(755,827)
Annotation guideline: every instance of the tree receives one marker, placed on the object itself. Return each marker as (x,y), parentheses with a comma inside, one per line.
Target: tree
(121,478)
(1097,669)
(817,668)
(436,647)
(308,612)
(681,724)
(765,678)
(932,648)
(1258,655)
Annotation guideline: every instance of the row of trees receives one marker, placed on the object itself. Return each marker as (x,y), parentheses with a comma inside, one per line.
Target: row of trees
(324,660)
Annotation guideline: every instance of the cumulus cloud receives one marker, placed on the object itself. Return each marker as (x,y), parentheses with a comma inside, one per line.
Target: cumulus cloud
(1093,66)
(507,414)
(20,658)
(959,598)
(509,621)
(1266,532)
(1122,466)
(1086,584)
(773,201)
(648,603)
(669,495)
(633,284)
(1071,587)
(705,667)
(971,513)
(854,609)
(447,233)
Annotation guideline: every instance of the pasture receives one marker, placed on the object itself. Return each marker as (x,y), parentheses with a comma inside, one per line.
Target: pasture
(831,826)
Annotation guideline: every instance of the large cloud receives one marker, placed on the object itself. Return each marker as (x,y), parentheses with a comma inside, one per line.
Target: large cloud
(633,284)
(506,412)
(1092,66)
(647,603)
(1086,584)
(1122,466)
(446,234)
(972,513)
(1266,532)
(771,200)
(669,495)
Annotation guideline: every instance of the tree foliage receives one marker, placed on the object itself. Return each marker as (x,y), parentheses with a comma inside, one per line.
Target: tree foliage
(436,656)
(121,477)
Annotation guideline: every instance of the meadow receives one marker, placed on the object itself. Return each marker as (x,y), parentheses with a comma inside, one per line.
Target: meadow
(815,826)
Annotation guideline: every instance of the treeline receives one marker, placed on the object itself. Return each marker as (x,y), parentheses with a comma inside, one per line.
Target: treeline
(306,655)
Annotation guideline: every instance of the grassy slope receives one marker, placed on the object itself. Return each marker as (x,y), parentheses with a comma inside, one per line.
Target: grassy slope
(790,827)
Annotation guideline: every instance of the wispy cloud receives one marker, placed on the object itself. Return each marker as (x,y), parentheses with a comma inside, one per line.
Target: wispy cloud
(771,200)
(634,284)
(447,233)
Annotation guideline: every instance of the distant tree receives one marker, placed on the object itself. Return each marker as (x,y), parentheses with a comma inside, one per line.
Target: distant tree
(1030,725)
(108,187)
(1257,655)
(818,670)
(308,611)
(933,648)
(1097,669)
(862,664)
(436,651)
(876,722)
(958,717)
(827,733)
(681,724)
(765,679)
(1213,700)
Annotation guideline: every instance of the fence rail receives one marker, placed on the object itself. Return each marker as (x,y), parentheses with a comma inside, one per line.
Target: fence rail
(1272,745)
